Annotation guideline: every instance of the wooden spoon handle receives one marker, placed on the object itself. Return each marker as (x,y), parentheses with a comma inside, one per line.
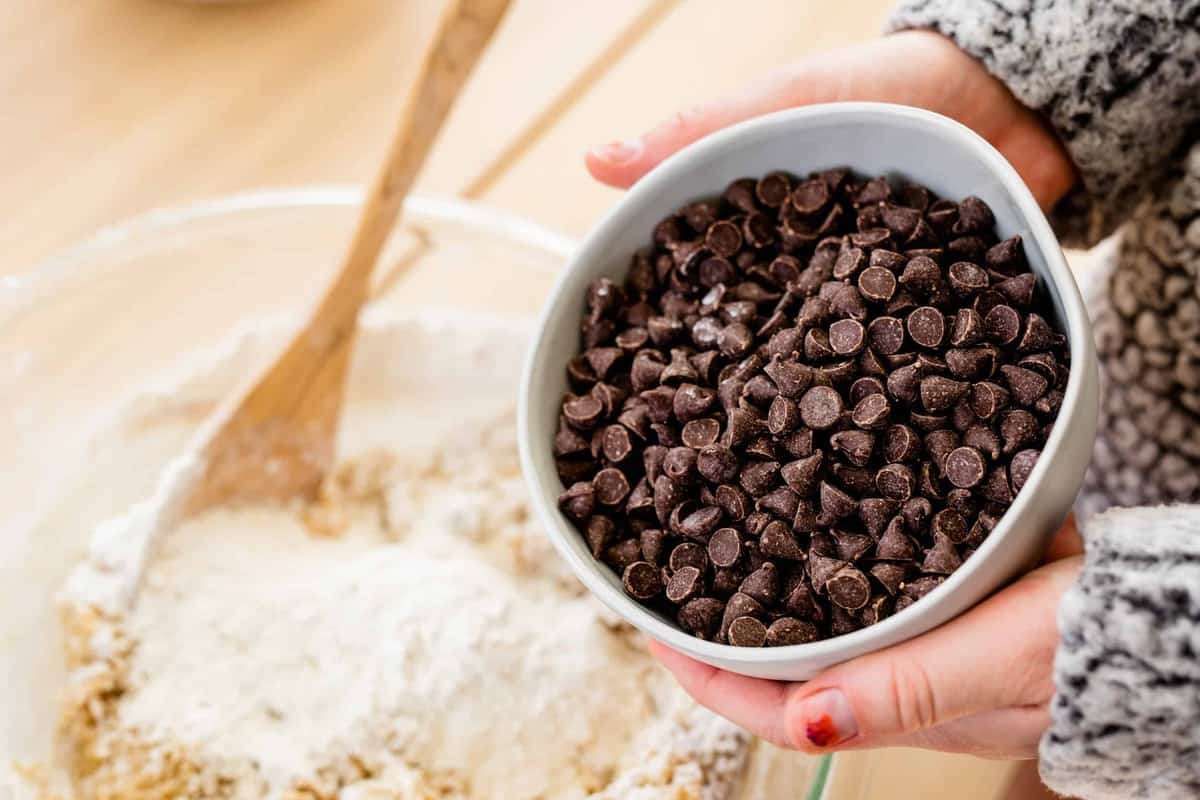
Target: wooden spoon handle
(464,29)
(276,441)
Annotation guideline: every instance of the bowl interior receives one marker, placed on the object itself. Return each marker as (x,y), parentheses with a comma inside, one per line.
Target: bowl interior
(871,138)
(134,307)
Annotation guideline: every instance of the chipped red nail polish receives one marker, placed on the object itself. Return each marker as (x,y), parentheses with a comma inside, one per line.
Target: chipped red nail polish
(828,718)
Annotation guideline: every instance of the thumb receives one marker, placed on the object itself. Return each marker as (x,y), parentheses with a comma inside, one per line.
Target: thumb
(997,656)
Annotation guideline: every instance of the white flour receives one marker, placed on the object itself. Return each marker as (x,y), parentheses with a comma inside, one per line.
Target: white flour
(435,648)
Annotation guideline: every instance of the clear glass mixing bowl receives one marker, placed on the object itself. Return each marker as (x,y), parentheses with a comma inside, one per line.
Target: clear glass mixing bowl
(87,329)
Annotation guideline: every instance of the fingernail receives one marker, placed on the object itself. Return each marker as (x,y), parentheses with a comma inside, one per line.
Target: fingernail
(828,719)
(618,152)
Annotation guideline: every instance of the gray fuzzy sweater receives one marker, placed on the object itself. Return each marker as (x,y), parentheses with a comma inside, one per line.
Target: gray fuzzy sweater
(1119,80)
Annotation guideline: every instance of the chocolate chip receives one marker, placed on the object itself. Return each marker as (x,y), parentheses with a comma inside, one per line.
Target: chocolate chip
(1021,465)
(810,197)
(687,554)
(972,362)
(736,340)
(926,326)
(984,439)
(700,433)
(701,616)
(996,487)
(1002,325)
(821,407)
(787,631)
(915,512)
(939,394)
(684,585)
(762,584)
(891,575)
(801,475)
(701,523)
(852,545)
(1038,335)
(847,337)
(964,467)
(877,284)
(847,302)
(872,412)
(578,501)
(816,346)
(900,444)
(747,632)
(723,238)
(967,328)
(966,278)
(1018,289)
(1018,428)
(742,427)
(855,446)
(921,274)
(791,378)
(759,477)
(848,588)
(974,216)
(610,486)
(895,481)
(1006,256)
(987,399)
(642,581)
(835,504)
(733,500)
(1026,385)
(777,541)
(895,544)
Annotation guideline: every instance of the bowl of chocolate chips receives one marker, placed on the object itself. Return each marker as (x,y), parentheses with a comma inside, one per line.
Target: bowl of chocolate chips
(817,384)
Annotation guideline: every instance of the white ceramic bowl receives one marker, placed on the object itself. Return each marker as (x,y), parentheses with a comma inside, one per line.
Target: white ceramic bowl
(872,138)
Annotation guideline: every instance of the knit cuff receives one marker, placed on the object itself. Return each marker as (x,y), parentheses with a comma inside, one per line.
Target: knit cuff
(1126,716)
(1119,82)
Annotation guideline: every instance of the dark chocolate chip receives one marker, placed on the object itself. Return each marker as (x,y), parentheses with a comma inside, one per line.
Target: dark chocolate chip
(801,475)
(896,481)
(964,467)
(777,541)
(877,284)
(787,631)
(747,632)
(821,407)
(900,444)
(642,581)
(759,477)
(1021,465)
(791,378)
(848,588)
(1025,385)
(926,326)
(610,486)
(701,616)
(854,445)
(1002,325)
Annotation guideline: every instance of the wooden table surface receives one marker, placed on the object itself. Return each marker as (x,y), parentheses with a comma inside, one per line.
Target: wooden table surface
(114,107)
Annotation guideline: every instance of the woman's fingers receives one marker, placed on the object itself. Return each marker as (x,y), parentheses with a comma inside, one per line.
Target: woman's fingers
(997,656)
(749,703)
(916,68)
(622,163)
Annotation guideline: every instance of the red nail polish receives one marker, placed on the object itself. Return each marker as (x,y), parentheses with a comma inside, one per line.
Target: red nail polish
(828,718)
(821,731)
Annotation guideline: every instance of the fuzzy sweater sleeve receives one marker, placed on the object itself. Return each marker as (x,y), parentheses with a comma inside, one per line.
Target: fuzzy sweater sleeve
(1119,81)
(1121,84)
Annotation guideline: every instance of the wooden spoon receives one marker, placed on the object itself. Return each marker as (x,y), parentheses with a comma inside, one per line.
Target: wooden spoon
(274,441)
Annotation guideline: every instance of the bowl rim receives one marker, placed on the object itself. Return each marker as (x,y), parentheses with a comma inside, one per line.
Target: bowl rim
(24,286)
(916,618)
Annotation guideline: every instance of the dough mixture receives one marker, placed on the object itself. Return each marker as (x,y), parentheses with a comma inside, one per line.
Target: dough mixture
(411,636)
